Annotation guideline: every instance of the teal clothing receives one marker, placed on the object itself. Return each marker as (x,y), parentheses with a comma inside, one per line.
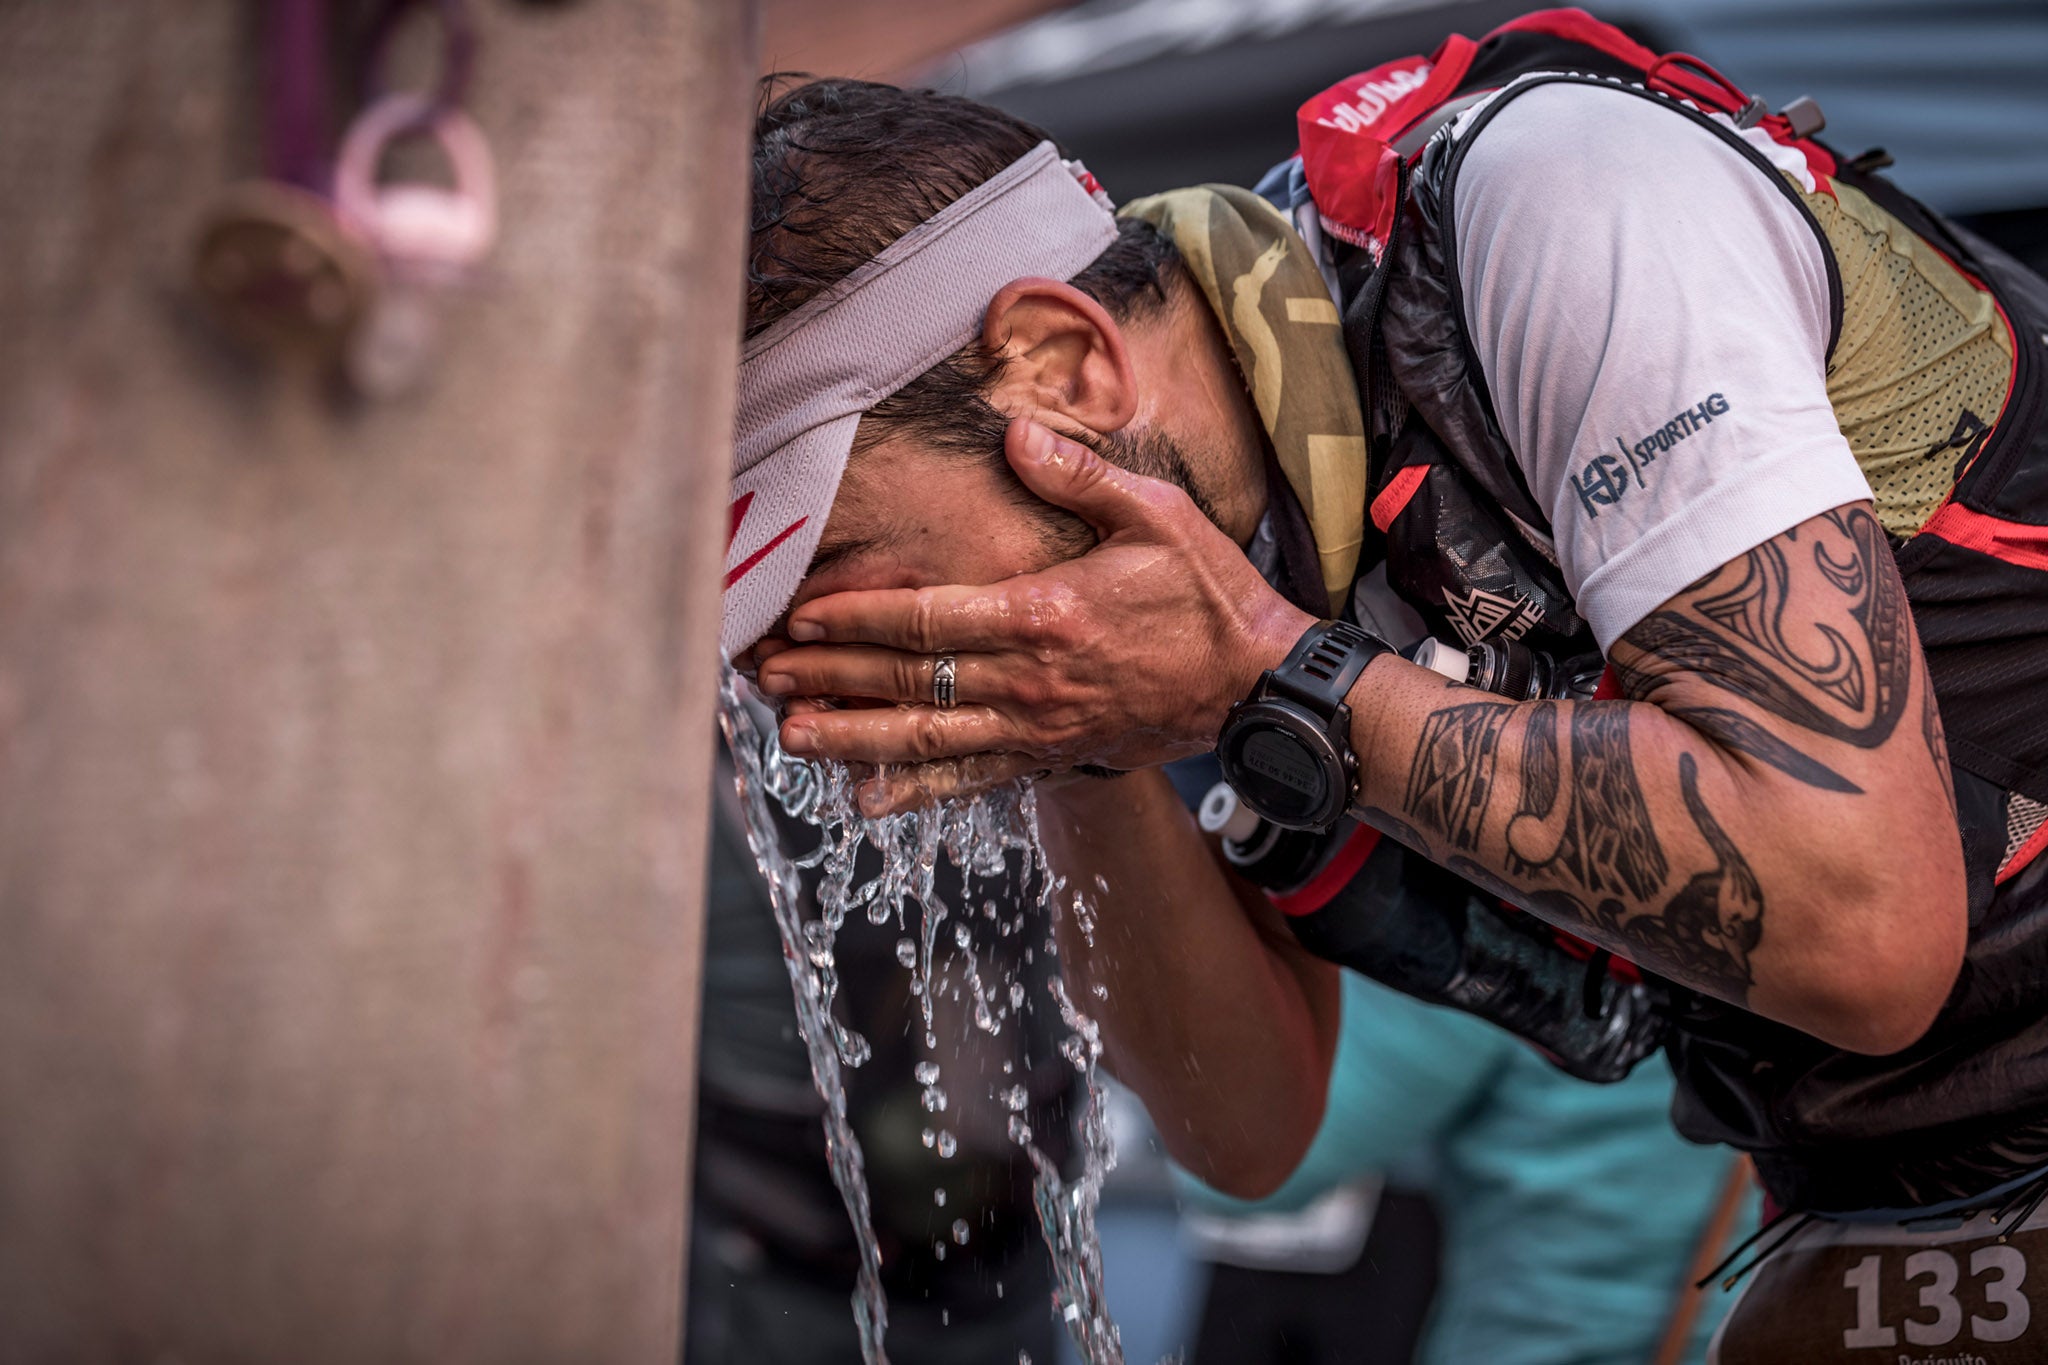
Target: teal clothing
(1571,1211)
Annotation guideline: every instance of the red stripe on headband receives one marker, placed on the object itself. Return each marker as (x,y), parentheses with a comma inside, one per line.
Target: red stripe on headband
(746,566)
(740,505)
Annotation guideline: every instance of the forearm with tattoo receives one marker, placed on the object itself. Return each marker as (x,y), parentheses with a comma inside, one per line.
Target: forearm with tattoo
(1763,712)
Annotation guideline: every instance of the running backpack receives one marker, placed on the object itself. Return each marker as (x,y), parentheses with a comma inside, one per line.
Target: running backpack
(1965,507)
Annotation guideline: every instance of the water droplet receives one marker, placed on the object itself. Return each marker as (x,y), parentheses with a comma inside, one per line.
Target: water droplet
(906,952)
(988,909)
(945,1314)
(1023,1357)
(931,1040)
(928,1137)
(960,1231)
(947,1144)
(1008,1066)
(939,1196)
(934,1100)
(961,935)
(939,1251)
(1015,1098)
(1016,995)
(1020,1131)
(926,1072)
(1100,991)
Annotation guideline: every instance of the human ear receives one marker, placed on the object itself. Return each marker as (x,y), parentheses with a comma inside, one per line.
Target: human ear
(1064,356)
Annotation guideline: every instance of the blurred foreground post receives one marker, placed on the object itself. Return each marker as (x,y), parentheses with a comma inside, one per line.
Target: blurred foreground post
(880,40)
(353,757)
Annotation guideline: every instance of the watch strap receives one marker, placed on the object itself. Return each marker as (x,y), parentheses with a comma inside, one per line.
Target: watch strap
(1319,671)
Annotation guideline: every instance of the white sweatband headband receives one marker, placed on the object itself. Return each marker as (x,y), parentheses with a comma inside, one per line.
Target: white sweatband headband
(806,381)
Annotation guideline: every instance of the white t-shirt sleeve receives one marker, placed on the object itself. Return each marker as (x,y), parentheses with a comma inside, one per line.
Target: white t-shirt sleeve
(1651,316)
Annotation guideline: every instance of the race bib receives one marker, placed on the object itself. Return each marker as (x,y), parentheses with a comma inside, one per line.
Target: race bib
(1896,1294)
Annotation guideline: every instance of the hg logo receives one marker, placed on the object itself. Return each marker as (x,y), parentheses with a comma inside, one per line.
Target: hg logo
(1605,478)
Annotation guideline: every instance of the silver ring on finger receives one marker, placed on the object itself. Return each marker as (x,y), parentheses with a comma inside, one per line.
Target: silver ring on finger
(945,673)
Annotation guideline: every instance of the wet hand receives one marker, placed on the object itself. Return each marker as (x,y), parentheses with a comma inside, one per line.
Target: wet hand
(886,788)
(1126,657)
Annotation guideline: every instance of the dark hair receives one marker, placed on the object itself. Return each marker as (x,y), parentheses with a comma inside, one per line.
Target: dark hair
(842,168)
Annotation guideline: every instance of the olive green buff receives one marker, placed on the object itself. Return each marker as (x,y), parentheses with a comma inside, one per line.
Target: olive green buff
(1263,285)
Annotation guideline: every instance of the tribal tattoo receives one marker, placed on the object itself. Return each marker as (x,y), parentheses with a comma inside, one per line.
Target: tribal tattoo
(1551,905)
(1735,639)
(1733,730)
(1451,779)
(1600,836)
(1706,933)
(1703,936)
(1547,804)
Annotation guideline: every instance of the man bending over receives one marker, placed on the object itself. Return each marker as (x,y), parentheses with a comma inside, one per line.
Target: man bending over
(1571,364)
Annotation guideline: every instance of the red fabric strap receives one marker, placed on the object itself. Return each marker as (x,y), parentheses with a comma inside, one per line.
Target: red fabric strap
(1396,494)
(2034,847)
(1324,886)
(2015,542)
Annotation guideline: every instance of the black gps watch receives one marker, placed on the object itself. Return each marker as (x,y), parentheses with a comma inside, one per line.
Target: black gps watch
(1286,749)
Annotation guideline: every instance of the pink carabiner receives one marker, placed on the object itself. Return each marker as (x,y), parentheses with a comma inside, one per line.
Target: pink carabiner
(441,229)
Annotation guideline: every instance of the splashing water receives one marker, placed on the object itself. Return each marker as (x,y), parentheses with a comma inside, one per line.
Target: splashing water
(807,950)
(978,836)
(1066,1211)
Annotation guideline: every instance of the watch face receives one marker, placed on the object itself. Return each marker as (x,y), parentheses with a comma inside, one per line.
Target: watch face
(1277,772)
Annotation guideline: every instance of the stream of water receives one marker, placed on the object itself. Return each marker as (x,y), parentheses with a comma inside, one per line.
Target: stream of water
(980,837)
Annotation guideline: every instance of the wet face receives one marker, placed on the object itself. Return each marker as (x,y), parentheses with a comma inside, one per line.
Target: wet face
(909,516)
(1161,398)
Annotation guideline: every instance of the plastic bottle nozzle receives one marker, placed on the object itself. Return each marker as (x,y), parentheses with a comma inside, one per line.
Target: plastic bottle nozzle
(1438,657)
(1222,813)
